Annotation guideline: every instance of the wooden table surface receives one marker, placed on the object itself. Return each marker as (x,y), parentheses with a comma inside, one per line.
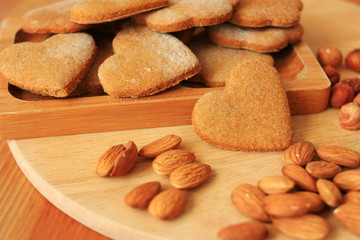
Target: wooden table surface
(24,212)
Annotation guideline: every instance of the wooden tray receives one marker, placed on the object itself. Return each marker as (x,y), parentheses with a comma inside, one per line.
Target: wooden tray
(25,115)
(63,170)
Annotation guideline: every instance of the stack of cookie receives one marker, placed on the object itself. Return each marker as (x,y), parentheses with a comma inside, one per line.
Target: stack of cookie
(135,48)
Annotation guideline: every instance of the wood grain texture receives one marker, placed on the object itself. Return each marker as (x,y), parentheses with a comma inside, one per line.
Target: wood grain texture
(25,214)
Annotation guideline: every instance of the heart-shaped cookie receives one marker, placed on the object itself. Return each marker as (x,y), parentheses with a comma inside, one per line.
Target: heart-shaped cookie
(184,14)
(251,114)
(145,62)
(51,68)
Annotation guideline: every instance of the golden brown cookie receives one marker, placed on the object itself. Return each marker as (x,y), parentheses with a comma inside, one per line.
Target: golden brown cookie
(53,67)
(217,62)
(269,39)
(184,14)
(261,13)
(251,114)
(53,18)
(145,62)
(96,11)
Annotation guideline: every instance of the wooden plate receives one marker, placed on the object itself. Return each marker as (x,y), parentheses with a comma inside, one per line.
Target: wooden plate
(25,115)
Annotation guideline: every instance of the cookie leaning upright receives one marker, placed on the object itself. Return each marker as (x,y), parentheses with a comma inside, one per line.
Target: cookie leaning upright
(96,11)
(251,114)
(145,62)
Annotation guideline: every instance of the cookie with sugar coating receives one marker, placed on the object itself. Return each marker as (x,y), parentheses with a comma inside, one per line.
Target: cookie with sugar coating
(145,62)
(265,40)
(95,11)
(261,13)
(217,62)
(184,14)
(53,67)
(53,18)
(251,113)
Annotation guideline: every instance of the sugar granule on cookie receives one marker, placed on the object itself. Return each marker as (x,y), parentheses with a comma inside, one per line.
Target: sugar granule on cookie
(53,67)
(265,40)
(184,14)
(145,62)
(95,11)
(251,113)
(53,18)
(261,13)
(217,62)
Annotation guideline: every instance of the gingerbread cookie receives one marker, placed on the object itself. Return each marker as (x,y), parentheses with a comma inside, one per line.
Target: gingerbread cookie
(95,11)
(145,62)
(269,39)
(251,113)
(184,14)
(217,62)
(53,67)
(54,18)
(261,13)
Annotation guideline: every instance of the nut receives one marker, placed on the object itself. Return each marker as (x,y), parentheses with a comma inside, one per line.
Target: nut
(300,176)
(125,161)
(348,180)
(190,175)
(349,116)
(329,192)
(248,199)
(313,201)
(349,216)
(168,161)
(341,94)
(329,56)
(299,153)
(352,197)
(352,82)
(160,146)
(322,169)
(308,226)
(352,60)
(107,160)
(276,184)
(339,155)
(357,99)
(141,195)
(168,204)
(244,231)
(332,73)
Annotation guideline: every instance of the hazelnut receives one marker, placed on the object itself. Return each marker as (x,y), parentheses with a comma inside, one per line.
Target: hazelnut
(349,116)
(329,56)
(341,94)
(352,60)
(357,99)
(332,73)
(352,82)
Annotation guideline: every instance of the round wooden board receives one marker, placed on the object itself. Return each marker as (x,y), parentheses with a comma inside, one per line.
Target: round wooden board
(63,170)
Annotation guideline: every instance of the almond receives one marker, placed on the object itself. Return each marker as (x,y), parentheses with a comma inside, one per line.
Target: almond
(308,226)
(160,146)
(125,161)
(329,192)
(339,155)
(276,184)
(244,231)
(352,197)
(286,204)
(313,201)
(190,175)
(140,196)
(349,216)
(348,180)
(300,176)
(248,199)
(168,204)
(299,153)
(107,160)
(322,169)
(168,161)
